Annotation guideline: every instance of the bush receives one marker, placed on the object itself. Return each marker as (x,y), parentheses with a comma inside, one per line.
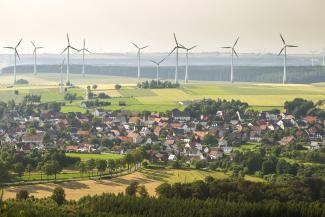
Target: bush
(22,195)
(22,81)
(58,195)
(118,86)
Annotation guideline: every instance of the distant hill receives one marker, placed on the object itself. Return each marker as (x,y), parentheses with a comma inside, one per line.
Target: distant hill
(267,74)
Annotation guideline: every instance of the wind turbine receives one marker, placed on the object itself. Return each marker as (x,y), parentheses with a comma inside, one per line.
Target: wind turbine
(158,65)
(186,68)
(34,52)
(323,57)
(15,56)
(313,52)
(233,51)
(61,75)
(284,48)
(84,49)
(139,57)
(68,47)
(178,46)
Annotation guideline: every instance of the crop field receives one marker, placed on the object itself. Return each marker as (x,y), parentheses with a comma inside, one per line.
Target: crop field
(148,177)
(258,96)
(85,157)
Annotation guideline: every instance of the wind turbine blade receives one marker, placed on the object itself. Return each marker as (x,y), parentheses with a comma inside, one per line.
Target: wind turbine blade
(68,38)
(64,50)
(84,43)
(236,42)
(292,46)
(192,47)
(19,42)
(73,48)
(226,47)
(235,53)
(39,47)
(281,51)
(171,52)
(9,47)
(88,50)
(17,54)
(154,62)
(175,39)
(144,47)
(135,45)
(33,44)
(282,39)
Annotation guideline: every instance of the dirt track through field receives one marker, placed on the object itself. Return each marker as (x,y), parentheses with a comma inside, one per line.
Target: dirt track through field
(77,189)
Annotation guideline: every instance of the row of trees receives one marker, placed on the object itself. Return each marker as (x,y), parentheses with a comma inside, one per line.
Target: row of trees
(161,84)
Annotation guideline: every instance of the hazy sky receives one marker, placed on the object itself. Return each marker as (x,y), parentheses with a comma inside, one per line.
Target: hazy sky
(110,25)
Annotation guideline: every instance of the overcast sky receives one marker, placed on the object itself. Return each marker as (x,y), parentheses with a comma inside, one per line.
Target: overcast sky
(110,25)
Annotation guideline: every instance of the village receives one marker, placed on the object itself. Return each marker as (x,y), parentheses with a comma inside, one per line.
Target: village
(170,136)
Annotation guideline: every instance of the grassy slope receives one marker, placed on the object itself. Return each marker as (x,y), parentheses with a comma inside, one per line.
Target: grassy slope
(84,157)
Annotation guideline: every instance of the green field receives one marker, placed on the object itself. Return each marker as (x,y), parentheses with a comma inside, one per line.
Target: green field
(258,96)
(85,157)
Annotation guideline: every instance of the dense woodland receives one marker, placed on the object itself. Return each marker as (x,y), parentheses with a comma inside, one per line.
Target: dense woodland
(268,74)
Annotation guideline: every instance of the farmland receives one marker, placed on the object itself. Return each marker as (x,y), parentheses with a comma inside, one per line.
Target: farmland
(85,157)
(258,96)
(148,177)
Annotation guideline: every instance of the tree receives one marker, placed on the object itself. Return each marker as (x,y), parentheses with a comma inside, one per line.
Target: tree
(129,159)
(52,168)
(142,191)
(19,169)
(40,168)
(132,189)
(28,170)
(101,166)
(95,86)
(22,195)
(209,179)
(91,164)
(268,167)
(111,164)
(164,190)
(118,86)
(82,168)
(58,195)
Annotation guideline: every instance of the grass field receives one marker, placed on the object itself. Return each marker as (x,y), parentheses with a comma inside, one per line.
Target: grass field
(148,177)
(85,157)
(258,96)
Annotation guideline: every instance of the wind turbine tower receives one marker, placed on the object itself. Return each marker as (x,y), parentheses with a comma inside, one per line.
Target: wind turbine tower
(15,58)
(313,52)
(284,49)
(186,68)
(35,56)
(233,52)
(157,67)
(139,59)
(177,46)
(84,49)
(68,47)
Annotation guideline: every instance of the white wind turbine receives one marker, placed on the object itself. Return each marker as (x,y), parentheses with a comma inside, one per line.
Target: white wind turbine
(139,58)
(284,48)
(34,52)
(84,49)
(158,66)
(313,52)
(186,68)
(61,76)
(323,57)
(68,47)
(15,58)
(233,51)
(178,46)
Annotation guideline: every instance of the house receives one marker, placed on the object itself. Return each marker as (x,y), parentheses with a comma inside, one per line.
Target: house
(36,138)
(180,115)
(215,153)
(287,140)
(314,145)
(172,157)
(134,137)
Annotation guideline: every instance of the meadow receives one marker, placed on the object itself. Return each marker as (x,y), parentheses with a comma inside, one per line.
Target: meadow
(258,95)
(84,156)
